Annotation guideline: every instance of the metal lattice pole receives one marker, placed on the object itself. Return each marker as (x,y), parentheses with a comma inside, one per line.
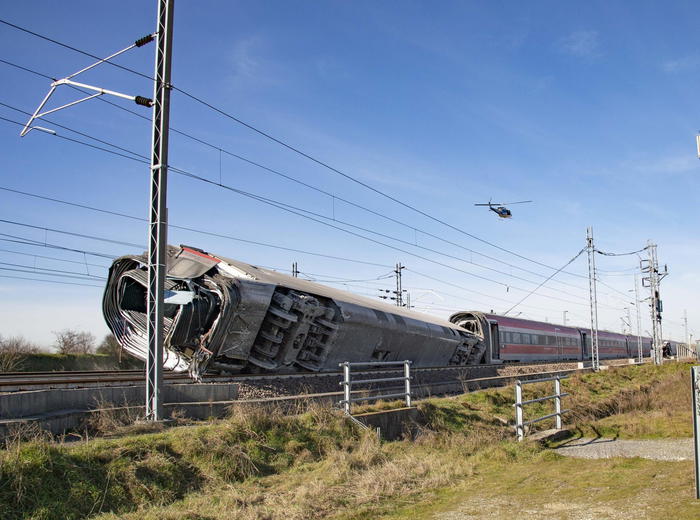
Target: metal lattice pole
(399,285)
(593,295)
(158,222)
(654,280)
(640,353)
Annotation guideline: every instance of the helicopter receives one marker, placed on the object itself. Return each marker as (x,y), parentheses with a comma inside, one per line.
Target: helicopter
(500,208)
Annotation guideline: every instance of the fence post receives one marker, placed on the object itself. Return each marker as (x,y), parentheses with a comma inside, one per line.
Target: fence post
(519,428)
(695,382)
(346,386)
(557,401)
(407,375)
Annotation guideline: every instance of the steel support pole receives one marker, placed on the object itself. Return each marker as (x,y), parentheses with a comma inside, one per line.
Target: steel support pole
(407,375)
(593,295)
(346,387)
(557,401)
(640,353)
(695,381)
(158,221)
(519,428)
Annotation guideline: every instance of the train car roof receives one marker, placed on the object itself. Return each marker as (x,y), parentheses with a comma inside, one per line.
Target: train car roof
(542,325)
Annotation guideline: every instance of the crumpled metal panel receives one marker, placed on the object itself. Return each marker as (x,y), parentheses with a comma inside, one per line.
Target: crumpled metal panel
(240,317)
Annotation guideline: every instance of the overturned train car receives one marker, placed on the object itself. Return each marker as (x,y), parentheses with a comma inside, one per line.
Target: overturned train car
(222,315)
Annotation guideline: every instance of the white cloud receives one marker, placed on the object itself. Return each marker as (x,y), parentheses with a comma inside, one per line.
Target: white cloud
(249,65)
(681,64)
(583,44)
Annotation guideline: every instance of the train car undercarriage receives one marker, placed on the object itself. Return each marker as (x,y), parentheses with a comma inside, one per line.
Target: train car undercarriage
(222,315)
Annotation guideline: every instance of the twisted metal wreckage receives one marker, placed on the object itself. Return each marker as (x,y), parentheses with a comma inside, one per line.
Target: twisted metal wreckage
(222,315)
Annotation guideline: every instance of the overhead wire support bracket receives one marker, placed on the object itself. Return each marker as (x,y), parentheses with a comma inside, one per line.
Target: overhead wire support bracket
(99,91)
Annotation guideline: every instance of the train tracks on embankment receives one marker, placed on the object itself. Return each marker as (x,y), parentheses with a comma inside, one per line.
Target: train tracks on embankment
(260,386)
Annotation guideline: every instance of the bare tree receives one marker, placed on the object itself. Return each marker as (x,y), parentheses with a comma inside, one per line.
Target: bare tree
(69,341)
(13,351)
(110,347)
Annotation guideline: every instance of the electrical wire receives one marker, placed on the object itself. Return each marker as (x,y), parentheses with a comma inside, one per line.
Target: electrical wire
(50,281)
(293,149)
(308,215)
(329,194)
(553,274)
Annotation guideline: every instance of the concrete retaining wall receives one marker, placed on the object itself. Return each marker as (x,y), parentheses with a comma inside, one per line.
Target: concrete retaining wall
(392,424)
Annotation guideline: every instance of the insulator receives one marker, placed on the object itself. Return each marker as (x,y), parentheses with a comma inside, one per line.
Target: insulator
(140,100)
(143,41)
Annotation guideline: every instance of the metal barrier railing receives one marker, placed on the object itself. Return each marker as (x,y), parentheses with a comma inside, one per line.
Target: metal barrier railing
(348,383)
(520,423)
(685,352)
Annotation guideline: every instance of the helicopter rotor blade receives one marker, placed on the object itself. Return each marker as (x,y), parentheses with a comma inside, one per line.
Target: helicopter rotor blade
(519,202)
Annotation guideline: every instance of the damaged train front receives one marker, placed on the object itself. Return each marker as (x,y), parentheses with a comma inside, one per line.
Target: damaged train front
(200,302)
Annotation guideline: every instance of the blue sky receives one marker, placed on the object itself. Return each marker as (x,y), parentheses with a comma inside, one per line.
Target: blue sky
(590,110)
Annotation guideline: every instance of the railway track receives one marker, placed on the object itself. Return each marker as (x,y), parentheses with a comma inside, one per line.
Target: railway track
(269,384)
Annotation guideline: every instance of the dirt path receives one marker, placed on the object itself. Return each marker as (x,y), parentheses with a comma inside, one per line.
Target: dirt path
(666,449)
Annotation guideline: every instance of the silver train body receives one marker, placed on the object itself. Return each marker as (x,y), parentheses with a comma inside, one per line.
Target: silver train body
(222,315)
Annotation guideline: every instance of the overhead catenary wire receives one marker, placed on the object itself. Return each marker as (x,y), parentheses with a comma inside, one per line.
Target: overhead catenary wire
(50,281)
(334,197)
(553,274)
(293,149)
(305,214)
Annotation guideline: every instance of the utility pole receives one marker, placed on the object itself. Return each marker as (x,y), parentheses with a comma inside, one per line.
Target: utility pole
(158,221)
(398,292)
(295,270)
(564,317)
(685,324)
(640,353)
(399,288)
(593,296)
(653,281)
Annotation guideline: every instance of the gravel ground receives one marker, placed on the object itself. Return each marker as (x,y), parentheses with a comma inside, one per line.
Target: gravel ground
(667,449)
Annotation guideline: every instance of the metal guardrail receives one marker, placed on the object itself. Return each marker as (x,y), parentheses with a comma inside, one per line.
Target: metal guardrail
(348,383)
(520,421)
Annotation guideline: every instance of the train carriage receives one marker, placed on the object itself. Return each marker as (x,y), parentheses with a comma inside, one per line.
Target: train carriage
(519,340)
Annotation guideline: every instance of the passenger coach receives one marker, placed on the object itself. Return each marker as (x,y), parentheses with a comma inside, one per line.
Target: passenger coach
(514,339)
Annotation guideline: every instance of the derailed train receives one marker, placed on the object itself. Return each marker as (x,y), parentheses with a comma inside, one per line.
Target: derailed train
(222,315)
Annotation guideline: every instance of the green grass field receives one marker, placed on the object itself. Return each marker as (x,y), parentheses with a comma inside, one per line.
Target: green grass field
(464,463)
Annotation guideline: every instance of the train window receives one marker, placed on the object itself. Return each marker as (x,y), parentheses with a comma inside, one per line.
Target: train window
(526,339)
(516,337)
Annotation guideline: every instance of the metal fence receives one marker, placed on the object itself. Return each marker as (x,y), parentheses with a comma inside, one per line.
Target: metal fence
(684,351)
(348,383)
(520,421)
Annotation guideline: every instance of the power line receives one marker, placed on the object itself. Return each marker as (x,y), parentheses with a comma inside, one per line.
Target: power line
(294,149)
(37,243)
(311,216)
(75,49)
(79,235)
(334,196)
(53,258)
(50,281)
(194,230)
(553,274)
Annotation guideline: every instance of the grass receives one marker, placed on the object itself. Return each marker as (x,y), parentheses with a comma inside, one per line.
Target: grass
(262,464)
(45,362)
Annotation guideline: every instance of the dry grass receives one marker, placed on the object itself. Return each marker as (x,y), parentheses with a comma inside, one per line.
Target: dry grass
(263,463)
